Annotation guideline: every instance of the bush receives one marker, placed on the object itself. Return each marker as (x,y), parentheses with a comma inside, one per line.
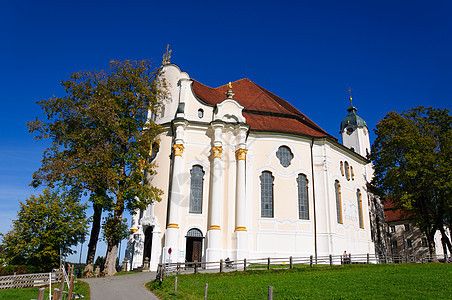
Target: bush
(13,269)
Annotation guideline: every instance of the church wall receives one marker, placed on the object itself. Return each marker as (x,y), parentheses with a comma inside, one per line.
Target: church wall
(267,234)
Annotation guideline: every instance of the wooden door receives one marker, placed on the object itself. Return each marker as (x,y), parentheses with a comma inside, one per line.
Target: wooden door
(197,250)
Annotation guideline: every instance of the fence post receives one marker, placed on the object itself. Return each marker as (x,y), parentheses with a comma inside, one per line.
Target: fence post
(221,265)
(310,261)
(268,263)
(368,258)
(205,292)
(244,264)
(270,292)
(175,286)
(331,260)
(196,268)
(41,293)
(71,287)
(291,262)
(56,294)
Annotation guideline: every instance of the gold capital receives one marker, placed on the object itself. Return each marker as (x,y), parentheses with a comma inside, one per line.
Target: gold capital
(217,151)
(178,149)
(172,225)
(240,228)
(214,227)
(240,154)
(133,230)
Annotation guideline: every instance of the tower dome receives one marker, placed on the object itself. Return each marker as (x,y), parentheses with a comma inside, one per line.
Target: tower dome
(352,119)
(354,132)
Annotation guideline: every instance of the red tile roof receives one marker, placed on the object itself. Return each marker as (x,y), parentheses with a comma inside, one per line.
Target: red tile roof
(392,215)
(264,111)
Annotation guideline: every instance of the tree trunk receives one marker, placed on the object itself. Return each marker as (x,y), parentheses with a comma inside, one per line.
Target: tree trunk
(445,240)
(430,241)
(112,246)
(94,237)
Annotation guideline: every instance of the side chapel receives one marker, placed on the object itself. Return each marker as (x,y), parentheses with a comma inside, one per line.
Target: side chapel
(247,175)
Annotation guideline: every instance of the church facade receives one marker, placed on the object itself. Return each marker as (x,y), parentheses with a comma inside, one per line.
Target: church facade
(246,175)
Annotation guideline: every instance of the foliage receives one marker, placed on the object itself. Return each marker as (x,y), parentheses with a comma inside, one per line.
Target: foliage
(80,287)
(414,281)
(45,225)
(114,230)
(100,262)
(15,269)
(101,138)
(412,157)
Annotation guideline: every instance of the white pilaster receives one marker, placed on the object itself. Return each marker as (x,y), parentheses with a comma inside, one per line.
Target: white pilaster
(214,249)
(176,196)
(240,221)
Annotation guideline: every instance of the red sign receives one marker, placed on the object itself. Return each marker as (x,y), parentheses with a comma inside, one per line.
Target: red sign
(170,250)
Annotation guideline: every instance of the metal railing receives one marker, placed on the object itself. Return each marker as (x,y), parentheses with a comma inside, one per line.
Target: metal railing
(268,263)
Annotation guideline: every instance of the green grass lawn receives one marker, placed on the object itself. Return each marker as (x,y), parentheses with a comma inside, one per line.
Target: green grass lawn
(391,281)
(80,287)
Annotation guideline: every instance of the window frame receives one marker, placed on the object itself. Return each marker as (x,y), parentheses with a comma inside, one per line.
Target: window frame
(285,156)
(267,196)
(303,203)
(359,198)
(196,204)
(338,195)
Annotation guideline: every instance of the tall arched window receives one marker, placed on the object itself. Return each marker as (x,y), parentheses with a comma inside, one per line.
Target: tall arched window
(360,208)
(196,183)
(347,171)
(303,206)
(267,194)
(337,189)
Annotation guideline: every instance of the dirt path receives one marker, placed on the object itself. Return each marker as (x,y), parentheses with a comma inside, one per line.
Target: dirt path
(126,287)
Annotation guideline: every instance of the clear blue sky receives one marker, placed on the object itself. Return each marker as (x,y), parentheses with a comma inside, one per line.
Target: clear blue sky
(395,55)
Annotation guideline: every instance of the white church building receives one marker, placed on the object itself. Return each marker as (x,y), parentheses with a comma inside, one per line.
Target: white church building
(247,175)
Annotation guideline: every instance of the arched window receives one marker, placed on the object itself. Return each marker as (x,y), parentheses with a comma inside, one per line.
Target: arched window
(303,206)
(284,155)
(347,171)
(196,183)
(200,113)
(342,168)
(337,189)
(194,232)
(352,173)
(267,194)
(360,208)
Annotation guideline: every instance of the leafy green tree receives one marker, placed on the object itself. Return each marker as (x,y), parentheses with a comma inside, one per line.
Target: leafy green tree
(46,226)
(412,156)
(101,138)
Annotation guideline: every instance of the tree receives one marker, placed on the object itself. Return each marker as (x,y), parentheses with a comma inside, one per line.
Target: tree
(412,156)
(101,139)
(46,226)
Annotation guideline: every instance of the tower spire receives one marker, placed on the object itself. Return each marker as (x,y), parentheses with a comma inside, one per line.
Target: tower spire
(350,93)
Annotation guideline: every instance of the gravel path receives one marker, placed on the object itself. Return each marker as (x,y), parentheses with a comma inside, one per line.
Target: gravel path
(126,287)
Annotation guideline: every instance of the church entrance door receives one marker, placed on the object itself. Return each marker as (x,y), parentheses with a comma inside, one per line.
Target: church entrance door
(147,243)
(193,249)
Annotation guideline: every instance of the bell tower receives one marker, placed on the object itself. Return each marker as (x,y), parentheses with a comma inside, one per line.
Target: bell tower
(354,132)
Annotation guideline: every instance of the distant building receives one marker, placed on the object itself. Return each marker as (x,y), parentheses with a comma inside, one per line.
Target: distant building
(404,238)
(247,175)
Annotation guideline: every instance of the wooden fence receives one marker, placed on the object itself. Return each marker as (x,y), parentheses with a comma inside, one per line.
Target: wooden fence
(29,280)
(284,262)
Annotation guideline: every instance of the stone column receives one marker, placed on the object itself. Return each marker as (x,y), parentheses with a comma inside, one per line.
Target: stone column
(240,193)
(214,236)
(176,195)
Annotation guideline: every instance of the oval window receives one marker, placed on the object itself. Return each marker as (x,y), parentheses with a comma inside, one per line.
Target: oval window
(200,113)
